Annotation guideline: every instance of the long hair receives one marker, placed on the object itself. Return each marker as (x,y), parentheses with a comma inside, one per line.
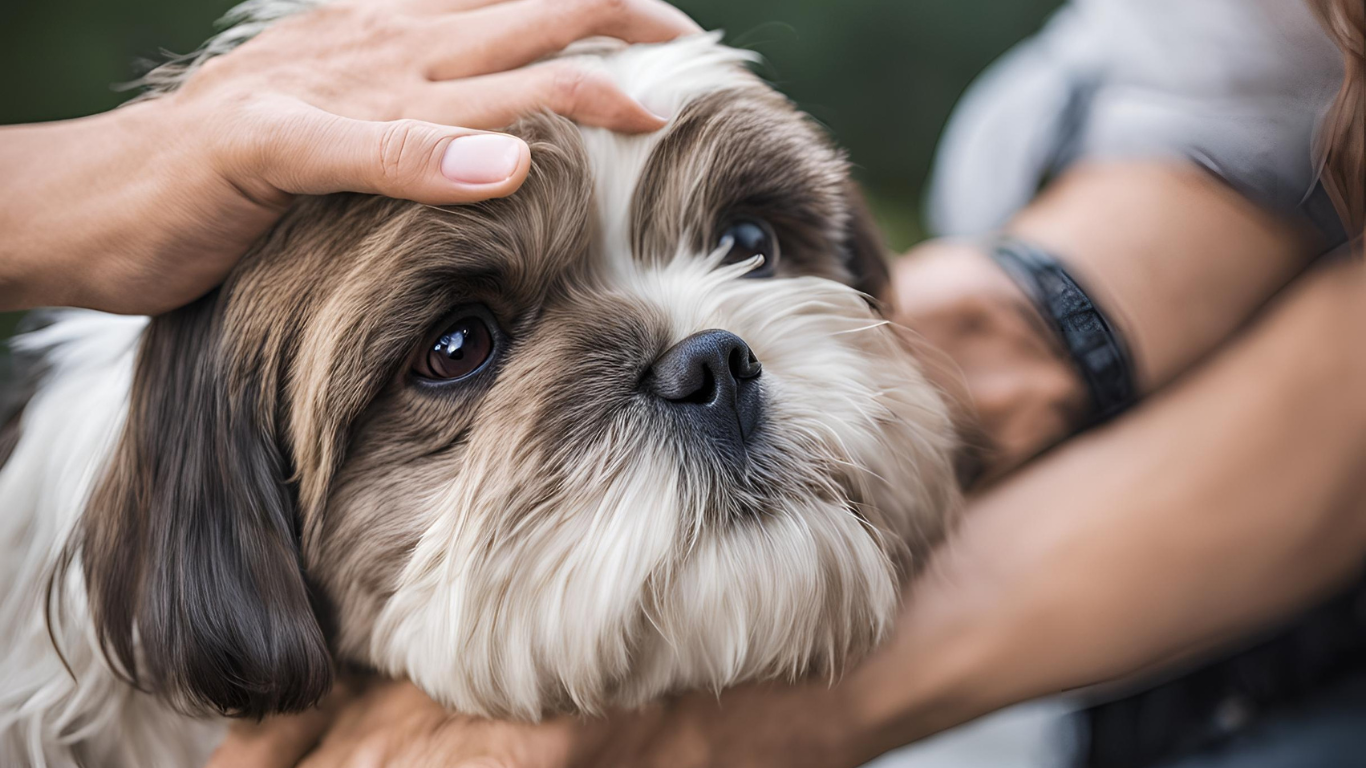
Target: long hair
(1342,139)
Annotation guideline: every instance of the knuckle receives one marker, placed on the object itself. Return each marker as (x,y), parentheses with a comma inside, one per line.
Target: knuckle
(399,143)
(252,133)
(210,67)
(595,11)
(368,18)
(332,12)
(567,88)
(609,8)
(366,26)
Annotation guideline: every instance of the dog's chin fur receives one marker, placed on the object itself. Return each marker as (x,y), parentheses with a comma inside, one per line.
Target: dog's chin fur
(238,496)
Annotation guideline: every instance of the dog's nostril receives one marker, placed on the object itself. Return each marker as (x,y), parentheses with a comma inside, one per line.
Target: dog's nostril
(704,393)
(743,363)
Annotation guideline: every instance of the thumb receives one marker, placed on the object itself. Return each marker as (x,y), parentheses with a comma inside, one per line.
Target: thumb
(408,159)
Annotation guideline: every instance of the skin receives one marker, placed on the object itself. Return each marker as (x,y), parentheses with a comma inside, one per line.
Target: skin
(160,198)
(1178,260)
(1015,606)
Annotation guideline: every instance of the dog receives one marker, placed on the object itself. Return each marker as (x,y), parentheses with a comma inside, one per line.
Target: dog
(638,429)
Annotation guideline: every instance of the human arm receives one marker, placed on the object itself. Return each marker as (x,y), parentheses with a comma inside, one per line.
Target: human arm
(1226,504)
(1178,259)
(147,207)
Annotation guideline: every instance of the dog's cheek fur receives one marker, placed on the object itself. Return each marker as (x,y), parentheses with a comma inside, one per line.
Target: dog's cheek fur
(521,596)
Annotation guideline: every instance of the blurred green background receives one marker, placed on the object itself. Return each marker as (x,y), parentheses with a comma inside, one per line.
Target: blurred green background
(882,74)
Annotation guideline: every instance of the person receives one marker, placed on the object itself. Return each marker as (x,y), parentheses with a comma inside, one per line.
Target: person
(1208,511)
(147,207)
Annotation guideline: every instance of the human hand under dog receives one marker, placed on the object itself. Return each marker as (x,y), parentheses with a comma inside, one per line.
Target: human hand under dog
(395,724)
(147,207)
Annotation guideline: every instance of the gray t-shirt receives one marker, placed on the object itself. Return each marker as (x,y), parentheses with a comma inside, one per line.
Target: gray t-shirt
(1237,86)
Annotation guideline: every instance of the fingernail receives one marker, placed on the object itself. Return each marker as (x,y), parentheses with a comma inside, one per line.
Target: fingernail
(482,158)
(664,115)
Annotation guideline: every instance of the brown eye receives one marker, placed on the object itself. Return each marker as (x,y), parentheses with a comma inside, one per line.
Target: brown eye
(749,237)
(459,351)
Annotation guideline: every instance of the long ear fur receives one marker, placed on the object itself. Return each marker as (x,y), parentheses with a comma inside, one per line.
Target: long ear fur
(188,546)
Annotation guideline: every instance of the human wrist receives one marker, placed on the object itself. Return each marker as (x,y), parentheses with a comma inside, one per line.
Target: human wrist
(937,678)
(1006,371)
(109,171)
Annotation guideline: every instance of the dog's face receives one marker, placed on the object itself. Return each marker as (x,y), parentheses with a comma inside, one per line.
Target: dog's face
(635,429)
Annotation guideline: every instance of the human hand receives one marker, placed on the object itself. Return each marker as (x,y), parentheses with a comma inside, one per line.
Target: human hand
(147,207)
(395,724)
(987,346)
(382,723)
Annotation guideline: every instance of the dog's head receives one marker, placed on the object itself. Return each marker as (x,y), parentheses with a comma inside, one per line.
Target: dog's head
(637,428)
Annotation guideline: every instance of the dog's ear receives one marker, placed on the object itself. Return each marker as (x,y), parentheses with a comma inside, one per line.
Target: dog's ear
(189,542)
(866,254)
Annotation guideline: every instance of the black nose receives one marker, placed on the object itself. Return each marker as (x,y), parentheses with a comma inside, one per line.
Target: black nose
(716,376)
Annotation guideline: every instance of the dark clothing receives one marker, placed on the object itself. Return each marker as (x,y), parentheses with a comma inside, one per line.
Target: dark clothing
(1296,699)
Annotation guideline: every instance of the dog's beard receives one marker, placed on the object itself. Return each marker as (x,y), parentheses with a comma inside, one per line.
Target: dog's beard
(626,558)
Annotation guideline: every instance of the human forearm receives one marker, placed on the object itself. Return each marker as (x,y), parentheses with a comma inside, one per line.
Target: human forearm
(1180,259)
(1220,506)
(92,190)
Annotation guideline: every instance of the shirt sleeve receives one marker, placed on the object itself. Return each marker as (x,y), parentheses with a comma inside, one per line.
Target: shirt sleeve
(1235,86)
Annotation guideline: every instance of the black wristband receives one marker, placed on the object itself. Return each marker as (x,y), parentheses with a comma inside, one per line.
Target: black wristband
(1094,343)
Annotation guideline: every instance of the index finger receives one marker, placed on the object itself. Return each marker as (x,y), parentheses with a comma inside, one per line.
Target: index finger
(645,21)
(423,7)
(510,34)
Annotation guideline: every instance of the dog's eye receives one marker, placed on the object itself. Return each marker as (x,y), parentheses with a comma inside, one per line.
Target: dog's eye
(749,237)
(461,350)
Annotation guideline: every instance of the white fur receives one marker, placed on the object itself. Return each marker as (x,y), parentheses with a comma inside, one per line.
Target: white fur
(664,77)
(47,717)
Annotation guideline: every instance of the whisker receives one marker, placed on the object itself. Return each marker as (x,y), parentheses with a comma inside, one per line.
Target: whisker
(872,327)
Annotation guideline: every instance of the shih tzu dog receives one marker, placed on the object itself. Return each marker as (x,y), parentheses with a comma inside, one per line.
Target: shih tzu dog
(638,429)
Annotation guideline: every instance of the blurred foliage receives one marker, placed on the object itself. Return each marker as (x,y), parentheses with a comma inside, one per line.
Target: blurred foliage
(882,74)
